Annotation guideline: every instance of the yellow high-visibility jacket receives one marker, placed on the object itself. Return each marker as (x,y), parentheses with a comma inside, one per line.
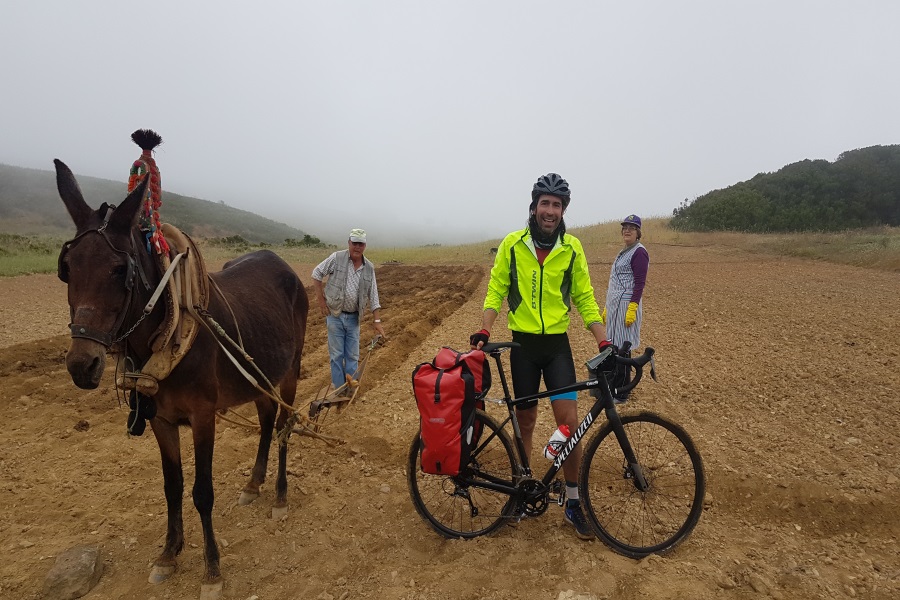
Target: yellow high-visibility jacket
(540,296)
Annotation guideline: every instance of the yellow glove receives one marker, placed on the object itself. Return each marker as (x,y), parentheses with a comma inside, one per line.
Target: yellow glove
(631,314)
(603,317)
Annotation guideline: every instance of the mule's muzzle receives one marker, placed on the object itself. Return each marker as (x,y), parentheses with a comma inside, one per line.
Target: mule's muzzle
(85,362)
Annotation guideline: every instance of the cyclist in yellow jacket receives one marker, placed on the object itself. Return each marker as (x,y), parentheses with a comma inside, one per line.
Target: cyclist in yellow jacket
(541,271)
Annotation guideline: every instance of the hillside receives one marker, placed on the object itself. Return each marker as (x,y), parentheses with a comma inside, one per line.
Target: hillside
(859,189)
(30,204)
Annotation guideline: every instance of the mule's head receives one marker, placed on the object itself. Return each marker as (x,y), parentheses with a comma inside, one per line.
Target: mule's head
(99,265)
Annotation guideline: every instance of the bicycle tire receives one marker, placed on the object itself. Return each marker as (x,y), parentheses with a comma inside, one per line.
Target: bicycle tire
(451,505)
(634,523)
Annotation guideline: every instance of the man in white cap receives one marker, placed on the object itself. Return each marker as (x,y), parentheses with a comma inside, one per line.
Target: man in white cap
(349,288)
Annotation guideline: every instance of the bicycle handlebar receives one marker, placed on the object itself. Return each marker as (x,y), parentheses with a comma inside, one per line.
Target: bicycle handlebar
(597,365)
(639,361)
(600,364)
(638,364)
(497,347)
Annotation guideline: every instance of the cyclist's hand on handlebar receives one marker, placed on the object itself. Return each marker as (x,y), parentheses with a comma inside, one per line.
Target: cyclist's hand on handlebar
(610,361)
(607,344)
(479,338)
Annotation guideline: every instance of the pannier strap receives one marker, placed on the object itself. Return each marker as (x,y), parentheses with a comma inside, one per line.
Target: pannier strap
(437,386)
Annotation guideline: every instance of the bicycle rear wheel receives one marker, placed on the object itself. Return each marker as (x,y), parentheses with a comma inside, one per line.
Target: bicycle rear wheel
(455,506)
(632,522)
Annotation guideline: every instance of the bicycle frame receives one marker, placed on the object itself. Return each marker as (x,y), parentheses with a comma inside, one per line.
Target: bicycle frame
(604,402)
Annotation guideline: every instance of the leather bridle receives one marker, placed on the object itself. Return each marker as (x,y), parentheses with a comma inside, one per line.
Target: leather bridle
(135,270)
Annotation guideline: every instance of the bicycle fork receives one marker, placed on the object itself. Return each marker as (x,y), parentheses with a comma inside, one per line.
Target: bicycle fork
(634,470)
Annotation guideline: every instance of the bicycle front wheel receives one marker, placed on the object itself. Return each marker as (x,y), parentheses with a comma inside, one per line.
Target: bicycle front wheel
(456,506)
(633,522)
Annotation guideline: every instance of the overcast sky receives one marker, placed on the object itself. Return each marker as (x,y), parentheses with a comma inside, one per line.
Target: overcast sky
(428,122)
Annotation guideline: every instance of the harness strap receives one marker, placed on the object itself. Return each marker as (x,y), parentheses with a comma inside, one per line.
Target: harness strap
(162,283)
(89,333)
(218,334)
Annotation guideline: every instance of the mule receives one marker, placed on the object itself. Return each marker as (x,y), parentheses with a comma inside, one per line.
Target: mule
(257,299)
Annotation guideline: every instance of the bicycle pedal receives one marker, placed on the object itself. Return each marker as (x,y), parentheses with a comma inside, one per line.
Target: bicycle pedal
(558,490)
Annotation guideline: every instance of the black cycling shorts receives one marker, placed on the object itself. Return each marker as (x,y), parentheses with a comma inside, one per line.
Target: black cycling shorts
(549,355)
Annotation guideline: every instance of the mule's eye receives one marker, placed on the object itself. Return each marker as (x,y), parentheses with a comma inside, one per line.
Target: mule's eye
(120,272)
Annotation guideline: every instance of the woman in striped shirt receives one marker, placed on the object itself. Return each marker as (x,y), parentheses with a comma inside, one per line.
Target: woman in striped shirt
(627,277)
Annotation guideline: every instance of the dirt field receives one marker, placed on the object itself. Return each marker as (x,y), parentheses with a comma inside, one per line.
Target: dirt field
(783,371)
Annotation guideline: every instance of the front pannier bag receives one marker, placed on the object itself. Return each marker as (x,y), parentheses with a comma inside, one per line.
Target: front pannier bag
(447,391)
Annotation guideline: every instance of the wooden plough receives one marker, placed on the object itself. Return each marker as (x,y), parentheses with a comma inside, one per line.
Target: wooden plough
(324,410)
(331,402)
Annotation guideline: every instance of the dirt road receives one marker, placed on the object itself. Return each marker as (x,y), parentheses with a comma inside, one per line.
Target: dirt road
(783,371)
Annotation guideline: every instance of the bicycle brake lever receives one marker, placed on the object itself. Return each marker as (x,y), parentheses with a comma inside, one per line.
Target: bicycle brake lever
(594,363)
(653,369)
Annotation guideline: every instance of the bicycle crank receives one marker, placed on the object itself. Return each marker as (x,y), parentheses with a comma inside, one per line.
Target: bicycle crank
(535,497)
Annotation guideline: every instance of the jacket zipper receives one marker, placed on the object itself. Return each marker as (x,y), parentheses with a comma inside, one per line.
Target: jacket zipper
(541,295)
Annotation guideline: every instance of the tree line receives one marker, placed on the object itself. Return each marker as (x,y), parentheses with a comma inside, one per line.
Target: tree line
(859,189)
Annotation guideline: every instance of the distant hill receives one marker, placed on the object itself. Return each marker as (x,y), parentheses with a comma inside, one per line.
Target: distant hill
(859,189)
(30,204)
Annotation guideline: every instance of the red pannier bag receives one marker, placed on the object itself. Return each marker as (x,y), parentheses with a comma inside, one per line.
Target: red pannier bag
(447,391)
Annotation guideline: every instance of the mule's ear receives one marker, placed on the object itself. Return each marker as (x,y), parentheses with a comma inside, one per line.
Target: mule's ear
(71,194)
(126,213)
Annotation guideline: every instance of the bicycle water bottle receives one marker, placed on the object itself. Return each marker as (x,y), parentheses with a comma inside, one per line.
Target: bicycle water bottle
(557,441)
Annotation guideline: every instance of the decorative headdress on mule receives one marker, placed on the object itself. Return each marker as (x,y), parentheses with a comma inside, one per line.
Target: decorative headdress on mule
(145,165)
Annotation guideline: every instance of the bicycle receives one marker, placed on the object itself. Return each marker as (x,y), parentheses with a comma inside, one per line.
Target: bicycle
(641,478)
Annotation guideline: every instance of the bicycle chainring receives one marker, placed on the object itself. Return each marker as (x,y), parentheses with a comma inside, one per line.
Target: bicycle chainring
(535,497)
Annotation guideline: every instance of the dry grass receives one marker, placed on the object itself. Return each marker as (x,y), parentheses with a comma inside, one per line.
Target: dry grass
(876,248)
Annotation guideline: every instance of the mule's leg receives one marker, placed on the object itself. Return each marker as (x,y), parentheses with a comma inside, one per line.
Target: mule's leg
(266,409)
(288,391)
(203,427)
(173,484)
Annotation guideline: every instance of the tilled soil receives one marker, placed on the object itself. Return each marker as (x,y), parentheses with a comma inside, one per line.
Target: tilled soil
(783,371)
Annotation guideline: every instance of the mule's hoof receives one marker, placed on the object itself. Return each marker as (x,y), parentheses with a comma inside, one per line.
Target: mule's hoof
(159,574)
(211,591)
(279,512)
(247,498)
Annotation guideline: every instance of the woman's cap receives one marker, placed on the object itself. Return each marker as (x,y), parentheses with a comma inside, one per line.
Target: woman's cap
(632,220)
(358,235)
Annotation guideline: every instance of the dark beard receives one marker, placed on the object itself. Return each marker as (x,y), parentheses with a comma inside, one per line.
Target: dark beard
(542,240)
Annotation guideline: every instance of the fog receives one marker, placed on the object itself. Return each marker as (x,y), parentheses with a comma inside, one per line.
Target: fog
(428,122)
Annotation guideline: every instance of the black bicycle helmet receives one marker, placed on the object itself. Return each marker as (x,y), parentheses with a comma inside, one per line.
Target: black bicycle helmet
(552,184)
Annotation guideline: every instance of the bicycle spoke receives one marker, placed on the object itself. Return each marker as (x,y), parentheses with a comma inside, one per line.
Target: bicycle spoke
(456,506)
